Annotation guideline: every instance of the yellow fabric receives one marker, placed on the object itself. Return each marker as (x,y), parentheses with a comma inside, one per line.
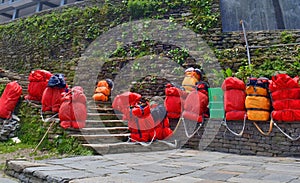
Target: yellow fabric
(260,101)
(252,90)
(189,81)
(103,90)
(257,102)
(100,97)
(256,115)
(102,83)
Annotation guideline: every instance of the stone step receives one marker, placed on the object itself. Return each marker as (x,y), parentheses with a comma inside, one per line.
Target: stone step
(102,138)
(90,123)
(91,103)
(103,116)
(94,109)
(128,147)
(98,131)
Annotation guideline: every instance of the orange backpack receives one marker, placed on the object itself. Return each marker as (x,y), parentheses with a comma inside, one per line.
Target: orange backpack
(191,77)
(102,91)
(258,101)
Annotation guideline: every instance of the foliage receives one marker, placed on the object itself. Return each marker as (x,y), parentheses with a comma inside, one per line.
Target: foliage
(153,8)
(179,55)
(10,146)
(51,32)
(141,8)
(287,37)
(69,145)
(268,69)
(2,87)
(203,17)
(65,33)
(219,76)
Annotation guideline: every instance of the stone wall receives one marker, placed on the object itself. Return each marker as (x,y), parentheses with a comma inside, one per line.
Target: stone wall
(252,142)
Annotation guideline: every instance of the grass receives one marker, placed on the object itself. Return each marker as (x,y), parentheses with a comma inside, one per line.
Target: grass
(10,146)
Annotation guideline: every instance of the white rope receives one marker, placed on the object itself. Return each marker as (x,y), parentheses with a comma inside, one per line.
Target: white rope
(144,143)
(288,136)
(185,129)
(47,119)
(169,143)
(234,133)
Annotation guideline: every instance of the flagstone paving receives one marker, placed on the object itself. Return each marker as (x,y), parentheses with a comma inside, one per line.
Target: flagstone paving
(181,165)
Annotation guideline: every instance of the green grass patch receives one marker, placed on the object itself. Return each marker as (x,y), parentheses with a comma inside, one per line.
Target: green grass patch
(10,146)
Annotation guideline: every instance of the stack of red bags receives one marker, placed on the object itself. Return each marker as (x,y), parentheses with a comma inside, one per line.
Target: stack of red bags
(285,92)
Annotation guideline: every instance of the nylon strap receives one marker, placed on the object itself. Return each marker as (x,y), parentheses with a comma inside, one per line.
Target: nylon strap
(261,131)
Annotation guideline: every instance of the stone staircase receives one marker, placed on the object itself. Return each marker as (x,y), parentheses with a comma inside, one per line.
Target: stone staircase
(106,133)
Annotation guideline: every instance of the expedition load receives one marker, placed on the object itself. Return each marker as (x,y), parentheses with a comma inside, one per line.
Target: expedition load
(161,121)
(174,101)
(38,81)
(141,123)
(285,92)
(234,98)
(257,102)
(123,102)
(9,99)
(51,98)
(191,77)
(196,103)
(103,90)
(73,112)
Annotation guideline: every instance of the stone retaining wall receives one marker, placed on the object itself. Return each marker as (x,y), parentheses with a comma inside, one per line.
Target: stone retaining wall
(215,137)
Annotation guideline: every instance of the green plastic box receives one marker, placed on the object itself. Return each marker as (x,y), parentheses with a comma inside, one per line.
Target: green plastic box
(216,113)
(216,105)
(215,94)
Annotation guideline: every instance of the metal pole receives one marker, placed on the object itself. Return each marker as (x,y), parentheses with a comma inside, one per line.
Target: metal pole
(247,46)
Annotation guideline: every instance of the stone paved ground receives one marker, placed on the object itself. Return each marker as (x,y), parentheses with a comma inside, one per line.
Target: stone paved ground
(166,166)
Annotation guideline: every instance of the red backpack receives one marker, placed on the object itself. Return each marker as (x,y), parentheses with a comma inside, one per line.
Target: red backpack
(196,103)
(9,99)
(141,124)
(73,112)
(285,92)
(234,98)
(174,101)
(38,81)
(52,95)
(161,121)
(123,102)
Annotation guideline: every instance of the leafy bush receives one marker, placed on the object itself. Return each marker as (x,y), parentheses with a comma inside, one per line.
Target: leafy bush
(179,55)
(268,69)
(203,17)
(141,8)
(2,87)
(287,37)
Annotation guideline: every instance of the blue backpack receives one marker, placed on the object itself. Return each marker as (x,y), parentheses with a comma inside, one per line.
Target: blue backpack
(57,80)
